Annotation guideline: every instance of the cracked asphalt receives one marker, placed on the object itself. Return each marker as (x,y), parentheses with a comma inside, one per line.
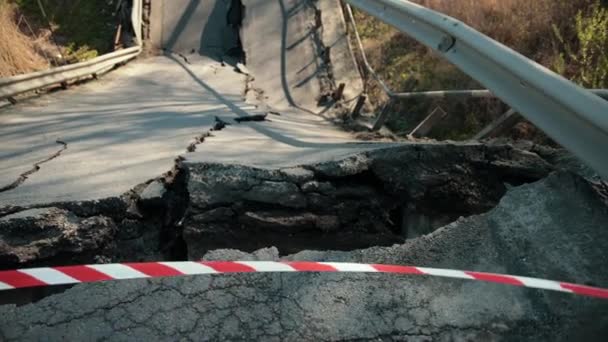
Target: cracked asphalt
(289,307)
(129,127)
(358,307)
(121,131)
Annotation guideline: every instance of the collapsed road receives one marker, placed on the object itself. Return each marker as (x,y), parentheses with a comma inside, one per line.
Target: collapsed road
(158,169)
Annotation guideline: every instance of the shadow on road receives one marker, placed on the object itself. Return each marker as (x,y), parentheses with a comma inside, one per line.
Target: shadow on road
(176,33)
(273,134)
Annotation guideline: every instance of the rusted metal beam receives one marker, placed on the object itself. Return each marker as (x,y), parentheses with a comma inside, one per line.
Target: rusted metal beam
(429,123)
(499,126)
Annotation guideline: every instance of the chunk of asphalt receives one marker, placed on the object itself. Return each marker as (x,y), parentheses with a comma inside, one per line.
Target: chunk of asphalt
(153,196)
(258,117)
(240,67)
(219,124)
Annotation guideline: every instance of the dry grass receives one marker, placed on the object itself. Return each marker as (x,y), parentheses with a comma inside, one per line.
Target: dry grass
(524,25)
(527,26)
(17,52)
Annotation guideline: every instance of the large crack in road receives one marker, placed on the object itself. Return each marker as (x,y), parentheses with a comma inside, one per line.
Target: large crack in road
(496,207)
(35,168)
(528,226)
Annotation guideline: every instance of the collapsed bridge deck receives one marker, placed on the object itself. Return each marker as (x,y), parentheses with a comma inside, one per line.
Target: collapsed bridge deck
(156,167)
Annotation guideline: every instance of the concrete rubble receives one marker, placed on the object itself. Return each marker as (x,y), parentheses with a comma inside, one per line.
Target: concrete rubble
(380,197)
(375,198)
(503,207)
(550,228)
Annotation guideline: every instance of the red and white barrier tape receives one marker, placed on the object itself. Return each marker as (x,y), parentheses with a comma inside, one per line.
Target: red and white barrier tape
(46,276)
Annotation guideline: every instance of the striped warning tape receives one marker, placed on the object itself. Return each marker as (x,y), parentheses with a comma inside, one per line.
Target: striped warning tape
(46,276)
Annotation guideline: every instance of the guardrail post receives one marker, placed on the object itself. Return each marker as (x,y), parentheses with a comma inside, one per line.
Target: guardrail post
(357,110)
(386,111)
(339,93)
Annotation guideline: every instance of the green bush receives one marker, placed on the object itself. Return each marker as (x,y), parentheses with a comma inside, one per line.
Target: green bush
(80,54)
(585,61)
(86,27)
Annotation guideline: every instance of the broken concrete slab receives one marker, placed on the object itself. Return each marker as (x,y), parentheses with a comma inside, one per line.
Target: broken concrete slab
(240,67)
(377,197)
(156,104)
(142,224)
(522,235)
(551,229)
(447,167)
(279,193)
(51,234)
(193,26)
(152,196)
(319,187)
(349,166)
(291,66)
(297,175)
(214,215)
(525,234)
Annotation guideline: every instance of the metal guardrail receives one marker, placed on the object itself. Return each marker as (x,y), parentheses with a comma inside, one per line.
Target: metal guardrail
(12,86)
(436,94)
(571,115)
(16,85)
(468,94)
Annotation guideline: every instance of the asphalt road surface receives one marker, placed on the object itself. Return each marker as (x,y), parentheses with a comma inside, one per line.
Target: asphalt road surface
(129,127)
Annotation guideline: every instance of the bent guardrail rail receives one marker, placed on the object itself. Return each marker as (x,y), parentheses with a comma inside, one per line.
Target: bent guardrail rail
(571,115)
(15,85)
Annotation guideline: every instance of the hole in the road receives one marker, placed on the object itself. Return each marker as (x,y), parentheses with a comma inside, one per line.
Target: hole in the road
(248,209)
(353,203)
